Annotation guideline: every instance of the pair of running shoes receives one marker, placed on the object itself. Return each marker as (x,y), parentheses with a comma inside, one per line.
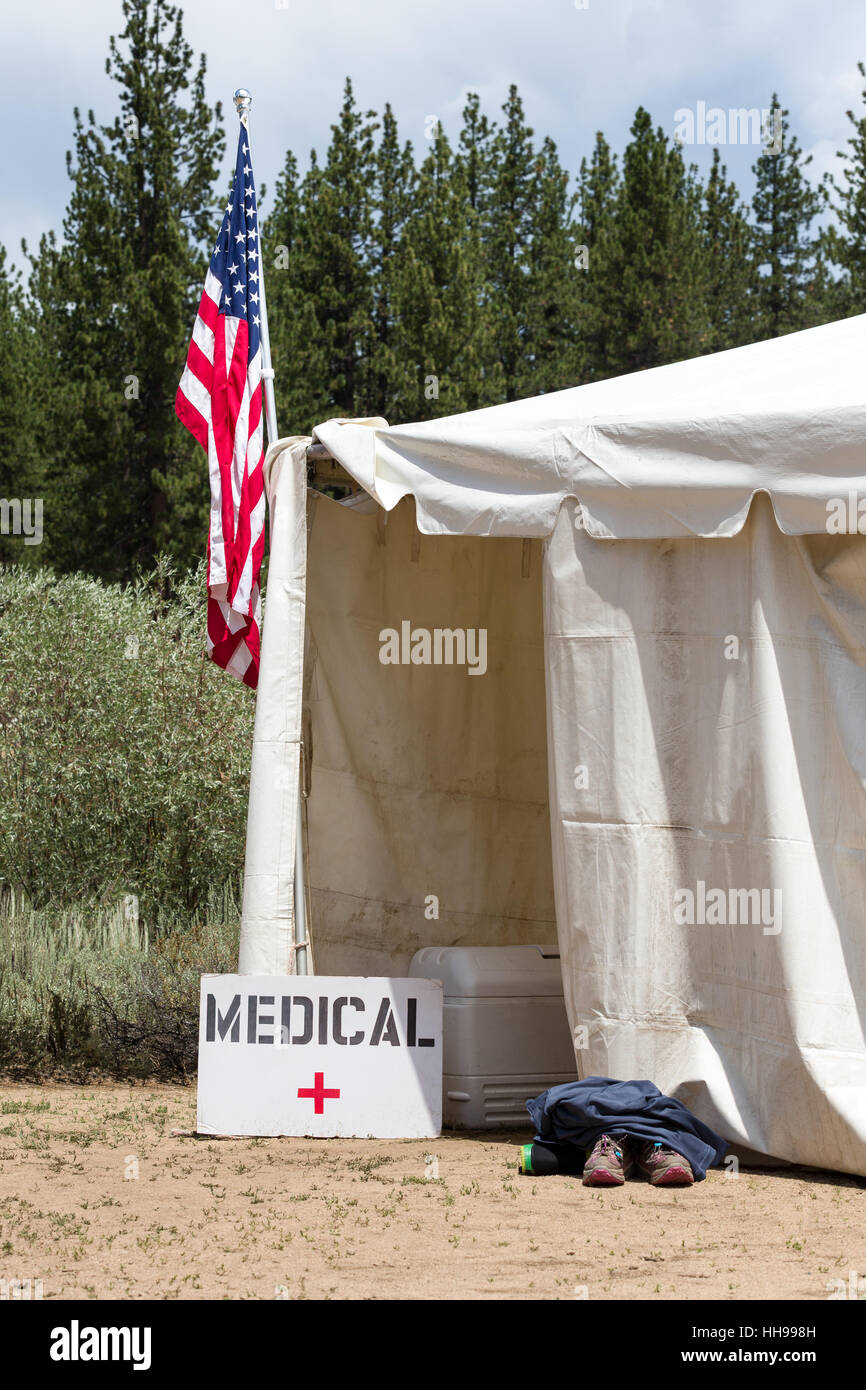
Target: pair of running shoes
(614,1158)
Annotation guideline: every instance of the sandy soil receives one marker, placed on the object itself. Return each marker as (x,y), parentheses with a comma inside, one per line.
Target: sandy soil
(99,1200)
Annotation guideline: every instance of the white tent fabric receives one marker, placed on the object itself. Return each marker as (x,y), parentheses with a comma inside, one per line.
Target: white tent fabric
(715,693)
(268,914)
(705,667)
(675,451)
(428,820)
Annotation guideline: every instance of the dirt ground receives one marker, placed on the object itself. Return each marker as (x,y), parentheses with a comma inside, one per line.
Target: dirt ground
(99,1200)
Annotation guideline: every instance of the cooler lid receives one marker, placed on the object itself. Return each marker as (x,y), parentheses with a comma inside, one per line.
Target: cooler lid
(503,971)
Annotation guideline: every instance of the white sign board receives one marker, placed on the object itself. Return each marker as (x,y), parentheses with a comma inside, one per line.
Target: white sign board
(322,1056)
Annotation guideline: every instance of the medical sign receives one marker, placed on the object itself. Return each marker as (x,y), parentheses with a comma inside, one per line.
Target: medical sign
(320,1056)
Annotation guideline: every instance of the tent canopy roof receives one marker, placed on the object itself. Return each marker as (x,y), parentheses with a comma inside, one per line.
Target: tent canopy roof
(674,451)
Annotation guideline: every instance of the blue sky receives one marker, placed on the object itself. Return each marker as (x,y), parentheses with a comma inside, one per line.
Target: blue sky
(579,70)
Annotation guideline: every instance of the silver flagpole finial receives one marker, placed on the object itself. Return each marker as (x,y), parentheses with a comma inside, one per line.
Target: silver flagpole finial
(243,101)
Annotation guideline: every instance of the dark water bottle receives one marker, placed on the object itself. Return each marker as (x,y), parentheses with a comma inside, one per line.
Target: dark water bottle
(538,1159)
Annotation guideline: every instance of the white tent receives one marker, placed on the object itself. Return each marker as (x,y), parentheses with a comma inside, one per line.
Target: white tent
(666,754)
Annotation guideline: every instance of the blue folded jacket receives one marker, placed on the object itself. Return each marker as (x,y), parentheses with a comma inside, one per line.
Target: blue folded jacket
(580,1112)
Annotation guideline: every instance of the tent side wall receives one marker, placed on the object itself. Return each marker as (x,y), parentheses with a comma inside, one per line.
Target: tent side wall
(429,787)
(710,865)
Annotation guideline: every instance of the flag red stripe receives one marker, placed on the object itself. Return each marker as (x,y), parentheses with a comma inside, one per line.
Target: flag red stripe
(208,312)
(223,430)
(237,387)
(249,495)
(191,418)
(199,365)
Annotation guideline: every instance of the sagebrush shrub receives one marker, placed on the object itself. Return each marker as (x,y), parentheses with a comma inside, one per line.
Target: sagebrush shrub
(83,993)
(124,753)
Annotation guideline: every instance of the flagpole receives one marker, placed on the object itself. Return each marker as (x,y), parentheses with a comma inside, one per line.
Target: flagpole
(243,101)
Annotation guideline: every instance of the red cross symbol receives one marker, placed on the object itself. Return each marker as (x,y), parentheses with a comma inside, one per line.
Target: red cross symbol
(318,1093)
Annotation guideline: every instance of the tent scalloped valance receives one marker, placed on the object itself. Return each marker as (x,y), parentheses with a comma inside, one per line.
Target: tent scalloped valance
(671,452)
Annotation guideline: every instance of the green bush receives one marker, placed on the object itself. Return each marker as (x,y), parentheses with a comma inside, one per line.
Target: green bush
(124,753)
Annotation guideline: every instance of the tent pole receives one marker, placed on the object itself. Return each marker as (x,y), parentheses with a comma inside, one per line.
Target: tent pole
(243,101)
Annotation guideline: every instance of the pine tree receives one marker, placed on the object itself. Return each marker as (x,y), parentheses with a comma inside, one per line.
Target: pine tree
(596,199)
(647,276)
(299,356)
(846,245)
(598,185)
(441,343)
(474,154)
(789,291)
(508,221)
(730,269)
(333,263)
(554,267)
(23,401)
(394,199)
(116,303)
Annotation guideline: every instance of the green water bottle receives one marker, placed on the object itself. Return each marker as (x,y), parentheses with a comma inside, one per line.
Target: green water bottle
(538,1159)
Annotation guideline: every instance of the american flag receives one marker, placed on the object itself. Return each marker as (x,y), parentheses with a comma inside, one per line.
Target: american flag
(220,402)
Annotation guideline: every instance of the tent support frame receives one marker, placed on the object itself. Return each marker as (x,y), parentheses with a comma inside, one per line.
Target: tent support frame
(243,101)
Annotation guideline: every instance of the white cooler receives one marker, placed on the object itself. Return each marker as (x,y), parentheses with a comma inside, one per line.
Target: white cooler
(506,1035)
